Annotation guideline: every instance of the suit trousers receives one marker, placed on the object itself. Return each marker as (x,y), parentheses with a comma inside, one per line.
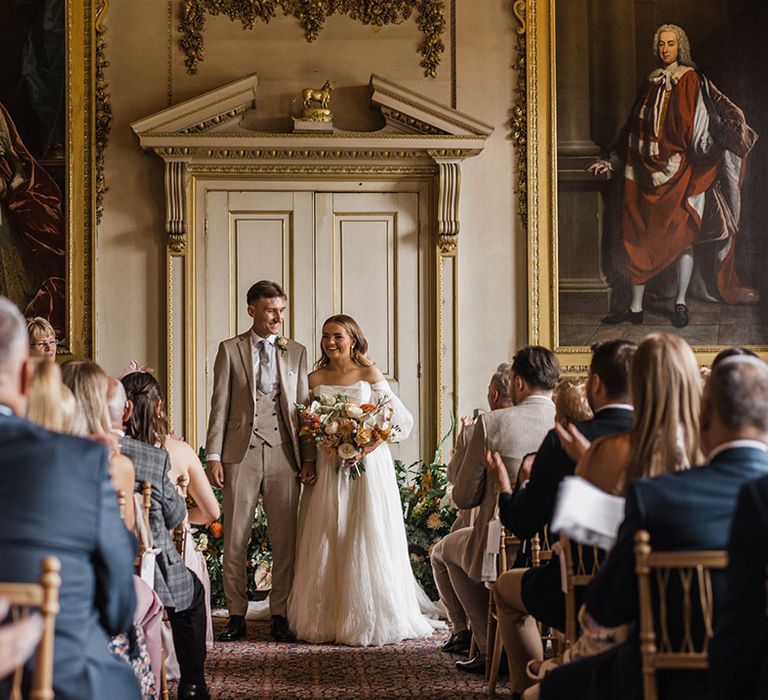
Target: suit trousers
(268,472)
(456,615)
(188,627)
(522,641)
(473,595)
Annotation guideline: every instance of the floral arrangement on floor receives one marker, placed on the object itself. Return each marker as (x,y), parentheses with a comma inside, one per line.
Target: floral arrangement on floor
(428,512)
(210,541)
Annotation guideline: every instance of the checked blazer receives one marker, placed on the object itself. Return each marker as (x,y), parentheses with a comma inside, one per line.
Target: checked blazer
(173,581)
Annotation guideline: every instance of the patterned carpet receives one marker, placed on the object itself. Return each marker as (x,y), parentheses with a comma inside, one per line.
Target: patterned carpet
(260,668)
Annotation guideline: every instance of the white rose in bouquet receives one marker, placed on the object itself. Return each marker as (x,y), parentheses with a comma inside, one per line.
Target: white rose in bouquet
(332,428)
(353,410)
(346,451)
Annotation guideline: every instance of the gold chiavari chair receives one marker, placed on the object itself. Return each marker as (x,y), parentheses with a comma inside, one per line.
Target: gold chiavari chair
(45,597)
(180,531)
(686,575)
(508,544)
(581,565)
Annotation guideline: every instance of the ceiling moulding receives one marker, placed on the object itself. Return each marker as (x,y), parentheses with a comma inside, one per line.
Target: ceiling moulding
(207,133)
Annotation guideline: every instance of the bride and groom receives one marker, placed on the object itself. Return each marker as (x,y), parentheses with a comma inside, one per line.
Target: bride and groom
(340,565)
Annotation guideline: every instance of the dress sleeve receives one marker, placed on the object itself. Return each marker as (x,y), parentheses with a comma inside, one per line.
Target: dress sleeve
(401,416)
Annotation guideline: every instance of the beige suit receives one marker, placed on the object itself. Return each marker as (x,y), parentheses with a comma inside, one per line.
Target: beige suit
(257,437)
(513,432)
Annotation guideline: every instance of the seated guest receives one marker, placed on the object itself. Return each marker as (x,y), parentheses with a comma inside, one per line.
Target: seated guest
(42,338)
(738,655)
(687,511)
(499,397)
(571,402)
(88,383)
(56,499)
(179,589)
(50,403)
(513,432)
(524,594)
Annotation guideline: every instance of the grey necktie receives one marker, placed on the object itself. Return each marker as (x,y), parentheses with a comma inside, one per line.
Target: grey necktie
(266,374)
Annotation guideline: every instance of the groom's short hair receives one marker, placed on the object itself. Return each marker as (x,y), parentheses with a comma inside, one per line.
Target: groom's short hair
(265,289)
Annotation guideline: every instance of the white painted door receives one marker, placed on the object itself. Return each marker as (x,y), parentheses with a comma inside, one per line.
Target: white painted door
(333,252)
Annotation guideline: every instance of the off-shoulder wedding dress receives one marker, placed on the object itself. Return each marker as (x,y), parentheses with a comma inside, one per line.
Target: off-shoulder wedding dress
(353,582)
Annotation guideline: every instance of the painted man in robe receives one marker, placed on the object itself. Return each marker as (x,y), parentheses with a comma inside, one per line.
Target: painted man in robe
(682,152)
(31,231)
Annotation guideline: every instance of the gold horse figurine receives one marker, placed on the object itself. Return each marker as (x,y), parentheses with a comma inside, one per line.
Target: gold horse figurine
(321,96)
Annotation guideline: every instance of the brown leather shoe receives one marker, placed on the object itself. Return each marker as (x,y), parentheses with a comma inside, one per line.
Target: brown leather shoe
(235,629)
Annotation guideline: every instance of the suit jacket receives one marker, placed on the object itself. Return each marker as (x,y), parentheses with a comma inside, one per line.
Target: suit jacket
(173,581)
(463,517)
(232,407)
(56,498)
(513,432)
(530,509)
(683,511)
(740,648)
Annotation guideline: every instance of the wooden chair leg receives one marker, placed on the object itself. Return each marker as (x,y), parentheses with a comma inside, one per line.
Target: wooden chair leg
(490,637)
(163,681)
(493,676)
(472,647)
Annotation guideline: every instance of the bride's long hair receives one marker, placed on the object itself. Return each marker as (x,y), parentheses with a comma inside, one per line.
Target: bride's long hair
(359,344)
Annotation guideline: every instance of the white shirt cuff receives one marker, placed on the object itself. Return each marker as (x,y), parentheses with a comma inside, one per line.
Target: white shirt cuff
(213,457)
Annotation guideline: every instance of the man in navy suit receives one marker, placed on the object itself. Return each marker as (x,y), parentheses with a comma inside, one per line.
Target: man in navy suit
(738,656)
(56,499)
(524,594)
(685,511)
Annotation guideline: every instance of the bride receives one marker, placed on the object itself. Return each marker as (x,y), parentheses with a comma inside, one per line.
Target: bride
(353,582)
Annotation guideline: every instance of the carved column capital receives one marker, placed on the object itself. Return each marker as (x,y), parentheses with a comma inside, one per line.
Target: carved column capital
(176,204)
(448,183)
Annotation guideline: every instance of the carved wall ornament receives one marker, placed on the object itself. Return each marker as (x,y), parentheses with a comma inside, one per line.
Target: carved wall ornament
(430,19)
(103,123)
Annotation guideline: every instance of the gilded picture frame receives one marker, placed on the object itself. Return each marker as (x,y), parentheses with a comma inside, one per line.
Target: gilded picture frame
(545,192)
(67,159)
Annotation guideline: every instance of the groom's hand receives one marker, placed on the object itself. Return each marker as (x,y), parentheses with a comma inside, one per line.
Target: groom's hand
(215,473)
(308,475)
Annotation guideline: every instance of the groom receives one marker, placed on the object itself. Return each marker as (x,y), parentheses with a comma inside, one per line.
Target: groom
(253,449)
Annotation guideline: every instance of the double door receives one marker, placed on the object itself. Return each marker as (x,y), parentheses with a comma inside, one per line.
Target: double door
(357,253)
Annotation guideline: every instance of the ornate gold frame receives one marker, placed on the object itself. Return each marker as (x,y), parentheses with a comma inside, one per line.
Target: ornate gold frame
(82,17)
(535,137)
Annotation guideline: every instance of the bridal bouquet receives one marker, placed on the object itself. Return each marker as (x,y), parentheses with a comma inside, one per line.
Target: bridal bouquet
(344,429)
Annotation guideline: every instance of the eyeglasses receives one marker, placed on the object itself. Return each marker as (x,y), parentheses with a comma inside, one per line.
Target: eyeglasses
(44,344)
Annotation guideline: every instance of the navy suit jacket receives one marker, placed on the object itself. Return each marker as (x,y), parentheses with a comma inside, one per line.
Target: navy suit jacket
(685,511)
(531,508)
(740,648)
(56,499)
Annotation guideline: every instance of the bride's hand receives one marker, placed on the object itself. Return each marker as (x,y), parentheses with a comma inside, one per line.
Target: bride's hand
(371,446)
(308,475)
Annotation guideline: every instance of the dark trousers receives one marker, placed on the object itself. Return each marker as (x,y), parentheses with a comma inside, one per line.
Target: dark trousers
(188,628)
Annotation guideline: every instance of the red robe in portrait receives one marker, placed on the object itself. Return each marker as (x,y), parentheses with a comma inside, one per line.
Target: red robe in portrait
(679,171)
(33,204)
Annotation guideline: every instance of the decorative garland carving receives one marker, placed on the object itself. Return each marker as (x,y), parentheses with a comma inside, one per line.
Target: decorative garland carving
(312,14)
(518,122)
(103,123)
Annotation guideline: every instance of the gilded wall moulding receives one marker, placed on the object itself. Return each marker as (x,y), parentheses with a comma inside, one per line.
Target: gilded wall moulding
(518,123)
(430,18)
(294,169)
(103,123)
(309,154)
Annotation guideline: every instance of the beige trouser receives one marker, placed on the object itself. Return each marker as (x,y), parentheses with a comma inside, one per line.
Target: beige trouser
(268,472)
(519,632)
(471,595)
(456,615)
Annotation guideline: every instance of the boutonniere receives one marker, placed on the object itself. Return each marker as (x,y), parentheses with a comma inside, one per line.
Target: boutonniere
(282,343)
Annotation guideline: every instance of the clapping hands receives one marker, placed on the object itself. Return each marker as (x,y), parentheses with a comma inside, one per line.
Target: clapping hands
(572,440)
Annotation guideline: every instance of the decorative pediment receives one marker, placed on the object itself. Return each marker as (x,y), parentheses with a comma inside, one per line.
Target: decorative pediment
(206,134)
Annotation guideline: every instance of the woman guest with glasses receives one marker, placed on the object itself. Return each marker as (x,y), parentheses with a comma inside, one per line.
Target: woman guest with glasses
(42,338)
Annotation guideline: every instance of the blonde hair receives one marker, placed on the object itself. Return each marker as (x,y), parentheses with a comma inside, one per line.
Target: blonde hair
(39,327)
(359,344)
(683,45)
(571,404)
(88,383)
(47,405)
(666,395)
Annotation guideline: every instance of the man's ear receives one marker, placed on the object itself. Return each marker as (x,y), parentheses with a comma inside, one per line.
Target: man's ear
(705,415)
(25,376)
(251,310)
(597,384)
(128,412)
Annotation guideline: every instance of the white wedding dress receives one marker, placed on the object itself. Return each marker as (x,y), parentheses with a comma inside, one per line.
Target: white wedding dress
(353,582)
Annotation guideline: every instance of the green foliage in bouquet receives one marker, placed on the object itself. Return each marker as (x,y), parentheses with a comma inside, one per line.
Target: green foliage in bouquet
(428,514)
(210,541)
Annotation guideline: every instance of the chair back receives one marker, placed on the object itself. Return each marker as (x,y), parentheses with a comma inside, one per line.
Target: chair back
(180,531)
(44,596)
(668,641)
(121,503)
(581,564)
(541,549)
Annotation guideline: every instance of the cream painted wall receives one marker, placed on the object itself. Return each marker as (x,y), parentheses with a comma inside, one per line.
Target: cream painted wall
(130,273)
